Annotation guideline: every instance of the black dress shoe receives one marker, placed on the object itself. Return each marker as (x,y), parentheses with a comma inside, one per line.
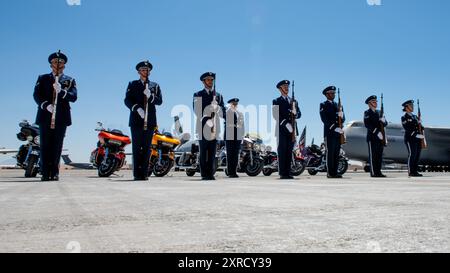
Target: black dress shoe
(338,176)
(286,177)
(379,176)
(45,179)
(140,179)
(208,178)
(416,175)
(233,176)
(55,178)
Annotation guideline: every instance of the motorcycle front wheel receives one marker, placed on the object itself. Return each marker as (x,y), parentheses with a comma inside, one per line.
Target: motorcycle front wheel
(297,168)
(255,169)
(267,172)
(32,167)
(342,166)
(108,167)
(160,170)
(190,172)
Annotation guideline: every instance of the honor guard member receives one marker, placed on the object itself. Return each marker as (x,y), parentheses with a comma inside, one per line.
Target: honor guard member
(53,93)
(209,108)
(234,133)
(329,113)
(141,98)
(413,138)
(282,113)
(374,123)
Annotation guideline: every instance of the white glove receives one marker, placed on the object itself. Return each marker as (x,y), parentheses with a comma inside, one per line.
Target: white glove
(50,108)
(339,130)
(383,119)
(289,127)
(341,114)
(141,113)
(380,136)
(57,87)
(294,112)
(215,106)
(210,123)
(147,93)
(419,136)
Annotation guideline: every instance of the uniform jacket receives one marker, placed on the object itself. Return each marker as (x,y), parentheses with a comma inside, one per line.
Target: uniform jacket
(202,109)
(135,99)
(43,95)
(329,115)
(234,125)
(284,108)
(373,124)
(411,125)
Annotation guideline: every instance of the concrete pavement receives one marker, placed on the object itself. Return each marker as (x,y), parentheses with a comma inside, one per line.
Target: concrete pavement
(263,214)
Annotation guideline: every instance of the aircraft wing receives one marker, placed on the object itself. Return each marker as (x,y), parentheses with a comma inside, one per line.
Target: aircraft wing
(437,153)
(8,151)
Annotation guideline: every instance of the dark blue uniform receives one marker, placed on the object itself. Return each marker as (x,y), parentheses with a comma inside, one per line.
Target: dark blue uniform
(329,114)
(142,139)
(410,123)
(52,139)
(203,110)
(282,106)
(234,133)
(376,147)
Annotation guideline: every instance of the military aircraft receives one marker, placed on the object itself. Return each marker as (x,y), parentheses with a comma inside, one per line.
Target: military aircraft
(8,151)
(435,158)
(83,166)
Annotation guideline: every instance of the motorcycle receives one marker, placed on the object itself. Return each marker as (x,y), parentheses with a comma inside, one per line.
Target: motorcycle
(28,155)
(271,162)
(250,159)
(109,156)
(315,160)
(189,157)
(162,155)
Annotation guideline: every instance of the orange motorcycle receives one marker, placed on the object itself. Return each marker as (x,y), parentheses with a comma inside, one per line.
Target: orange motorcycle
(109,156)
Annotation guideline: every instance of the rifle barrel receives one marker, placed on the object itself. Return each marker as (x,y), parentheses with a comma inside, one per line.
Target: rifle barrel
(55,94)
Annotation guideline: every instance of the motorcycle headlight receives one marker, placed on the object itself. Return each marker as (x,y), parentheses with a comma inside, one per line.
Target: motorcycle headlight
(37,140)
(115,142)
(263,147)
(257,147)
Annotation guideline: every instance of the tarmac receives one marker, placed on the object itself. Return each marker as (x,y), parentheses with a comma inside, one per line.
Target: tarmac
(84,213)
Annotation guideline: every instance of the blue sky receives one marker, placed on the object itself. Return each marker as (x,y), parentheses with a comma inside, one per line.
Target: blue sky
(400,48)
